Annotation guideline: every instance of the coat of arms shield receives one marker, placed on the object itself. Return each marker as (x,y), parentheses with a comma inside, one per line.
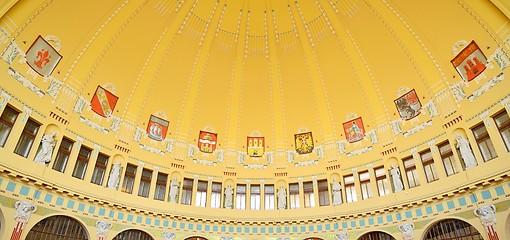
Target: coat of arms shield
(470,62)
(103,102)
(303,142)
(354,130)
(207,141)
(42,57)
(408,105)
(255,146)
(157,128)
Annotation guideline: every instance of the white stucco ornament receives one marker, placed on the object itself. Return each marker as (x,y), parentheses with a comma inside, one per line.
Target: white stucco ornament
(341,236)
(103,227)
(23,211)
(407,230)
(486,214)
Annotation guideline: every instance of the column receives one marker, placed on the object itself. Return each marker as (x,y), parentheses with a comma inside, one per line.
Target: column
(209,191)
(154,180)
(23,212)
(488,218)
(102,229)
(138,178)
(315,191)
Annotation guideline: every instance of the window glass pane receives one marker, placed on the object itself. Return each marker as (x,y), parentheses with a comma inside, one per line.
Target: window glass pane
(7,120)
(160,191)
(322,185)
(255,197)
(216,195)
(241,196)
(201,194)
(129,178)
(27,138)
(81,163)
(187,190)
(63,155)
(145,183)
(269,197)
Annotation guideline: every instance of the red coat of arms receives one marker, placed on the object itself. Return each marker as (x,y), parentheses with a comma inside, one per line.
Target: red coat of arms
(354,130)
(157,128)
(408,105)
(255,146)
(207,141)
(303,142)
(103,102)
(470,62)
(42,57)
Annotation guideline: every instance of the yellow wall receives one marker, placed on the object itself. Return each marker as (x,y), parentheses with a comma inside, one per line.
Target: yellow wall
(295,88)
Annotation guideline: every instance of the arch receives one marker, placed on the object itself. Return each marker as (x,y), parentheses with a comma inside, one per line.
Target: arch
(376,235)
(58,227)
(133,234)
(195,238)
(451,228)
(313,238)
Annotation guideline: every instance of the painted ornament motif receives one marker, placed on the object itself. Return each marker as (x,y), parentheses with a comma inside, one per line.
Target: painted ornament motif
(470,62)
(207,141)
(103,102)
(42,57)
(354,130)
(157,128)
(408,105)
(255,147)
(303,142)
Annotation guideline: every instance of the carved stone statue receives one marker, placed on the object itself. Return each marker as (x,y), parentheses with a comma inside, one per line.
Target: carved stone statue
(397,181)
(341,236)
(114,179)
(174,190)
(336,188)
(282,197)
(486,215)
(229,191)
(167,235)
(43,156)
(407,230)
(103,227)
(465,151)
(23,211)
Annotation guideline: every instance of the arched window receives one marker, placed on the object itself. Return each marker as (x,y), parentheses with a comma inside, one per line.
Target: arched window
(313,238)
(376,236)
(452,229)
(57,228)
(195,238)
(133,234)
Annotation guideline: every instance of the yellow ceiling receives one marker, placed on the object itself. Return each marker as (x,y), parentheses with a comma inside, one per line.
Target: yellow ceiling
(266,68)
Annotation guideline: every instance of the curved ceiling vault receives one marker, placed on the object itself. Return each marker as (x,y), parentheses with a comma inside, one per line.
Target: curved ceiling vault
(258,68)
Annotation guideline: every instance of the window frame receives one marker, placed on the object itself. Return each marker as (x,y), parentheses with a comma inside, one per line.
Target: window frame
(98,167)
(429,166)
(502,127)
(129,178)
(447,156)
(66,153)
(410,170)
(484,138)
(7,123)
(81,163)
(23,147)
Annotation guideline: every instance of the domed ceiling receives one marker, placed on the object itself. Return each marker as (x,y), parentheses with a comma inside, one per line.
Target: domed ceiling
(357,75)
